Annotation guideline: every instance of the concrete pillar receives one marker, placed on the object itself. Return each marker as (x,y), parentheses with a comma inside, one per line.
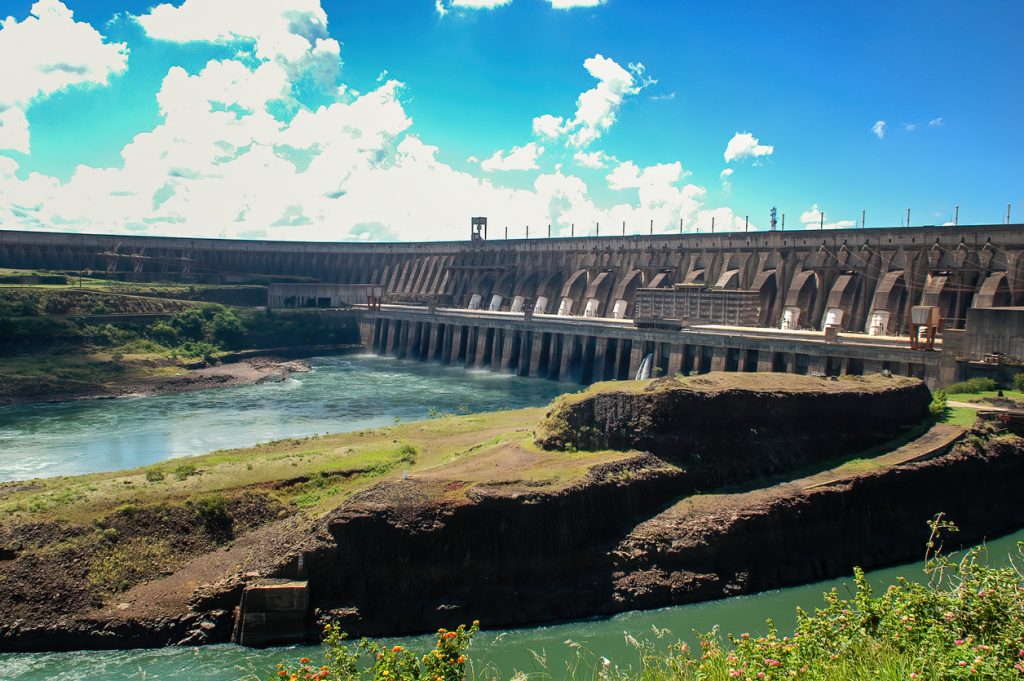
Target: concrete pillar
(555,356)
(816,364)
(470,345)
(435,331)
(675,360)
(567,345)
(481,349)
(622,359)
(600,357)
(506,351)
(791,364)
(587,351)
(446,343)
(378,329)
(426,332)
(536,350)
(522,366)
(498,349)
(412,341)
(394,326)
(764,360)
(366,333)
(718,356)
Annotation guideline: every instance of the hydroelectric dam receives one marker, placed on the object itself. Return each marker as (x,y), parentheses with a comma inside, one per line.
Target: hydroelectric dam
(939,303)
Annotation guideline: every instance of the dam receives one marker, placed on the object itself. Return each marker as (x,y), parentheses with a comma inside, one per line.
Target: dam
(834,302)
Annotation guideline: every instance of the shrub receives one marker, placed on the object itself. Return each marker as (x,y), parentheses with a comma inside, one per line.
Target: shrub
(939,403)
(372,660)
(162,332)
(118,568)
(212,513)
(185,470)
(1018,381)
(154,476)
(972,385)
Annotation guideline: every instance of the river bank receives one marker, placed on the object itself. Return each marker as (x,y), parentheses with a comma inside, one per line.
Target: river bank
(59,378)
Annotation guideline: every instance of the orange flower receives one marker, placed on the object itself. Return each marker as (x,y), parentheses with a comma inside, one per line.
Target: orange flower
(397,649)
(304,660)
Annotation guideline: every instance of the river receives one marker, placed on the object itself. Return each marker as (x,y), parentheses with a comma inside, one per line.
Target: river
(341,393)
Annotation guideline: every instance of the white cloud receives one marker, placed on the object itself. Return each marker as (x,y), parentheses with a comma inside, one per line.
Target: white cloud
(444,6)
(591,159)
(290,32)
(724,176)
(548,126)
(570,4)
(910,127)
(666,97)
(744,145)
(45,53)
(811,218)
(598,107)
(937,122)
(218,164)
(519,158)
(879,129)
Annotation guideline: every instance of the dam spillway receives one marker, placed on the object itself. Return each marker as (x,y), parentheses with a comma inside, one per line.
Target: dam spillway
(575,308)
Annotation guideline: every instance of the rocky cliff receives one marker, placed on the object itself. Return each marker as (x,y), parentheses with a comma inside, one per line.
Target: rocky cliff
(728,428)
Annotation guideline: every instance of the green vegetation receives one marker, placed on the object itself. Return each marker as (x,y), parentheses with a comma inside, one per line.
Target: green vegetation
(967,622)
(181,471)
(53,344)
(191,331)
(118,567)
(972,385)
(313,475)
(370,660)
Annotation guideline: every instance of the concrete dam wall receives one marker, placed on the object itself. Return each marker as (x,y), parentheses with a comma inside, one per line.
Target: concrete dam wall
(797,278)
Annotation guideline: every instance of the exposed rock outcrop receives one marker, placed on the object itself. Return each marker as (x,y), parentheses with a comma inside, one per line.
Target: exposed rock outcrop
(725,428)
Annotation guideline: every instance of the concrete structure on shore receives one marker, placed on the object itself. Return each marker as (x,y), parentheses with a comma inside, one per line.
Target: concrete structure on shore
(590,308)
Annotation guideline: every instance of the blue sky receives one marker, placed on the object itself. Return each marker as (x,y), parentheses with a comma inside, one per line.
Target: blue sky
(399,119)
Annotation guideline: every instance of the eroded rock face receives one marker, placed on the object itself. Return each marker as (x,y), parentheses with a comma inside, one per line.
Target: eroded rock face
(787,535)
(722,432)
(399,559)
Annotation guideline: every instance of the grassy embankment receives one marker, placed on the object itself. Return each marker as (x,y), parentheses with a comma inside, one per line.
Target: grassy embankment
(315,474)
(129,527)
(57,341)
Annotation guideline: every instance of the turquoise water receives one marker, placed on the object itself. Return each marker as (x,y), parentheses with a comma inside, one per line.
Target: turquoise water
(339,394)
(495,654)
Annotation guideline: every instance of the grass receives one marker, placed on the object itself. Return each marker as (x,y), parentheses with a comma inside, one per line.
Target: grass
(1015,395)
(721,380)
(317,473)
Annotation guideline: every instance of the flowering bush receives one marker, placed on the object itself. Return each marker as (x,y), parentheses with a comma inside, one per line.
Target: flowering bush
(371,660)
